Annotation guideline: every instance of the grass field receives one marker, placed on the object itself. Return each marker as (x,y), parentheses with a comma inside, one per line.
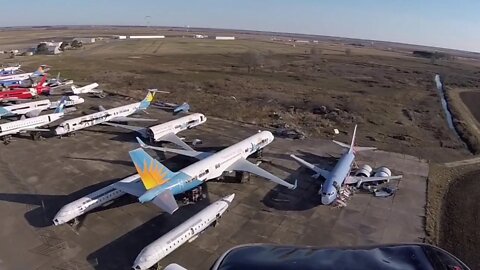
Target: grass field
(389,94)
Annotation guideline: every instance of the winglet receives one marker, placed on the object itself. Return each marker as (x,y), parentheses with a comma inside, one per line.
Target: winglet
(141,143)
(294,185)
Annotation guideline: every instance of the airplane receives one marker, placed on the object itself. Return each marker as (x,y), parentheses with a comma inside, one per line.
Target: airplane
(34,108)
(188,231)
(103,196)
(17,78)
(30,124)
(160,184)
(118,114)
(340,174)
(22,93)
(167,131)
(5,71)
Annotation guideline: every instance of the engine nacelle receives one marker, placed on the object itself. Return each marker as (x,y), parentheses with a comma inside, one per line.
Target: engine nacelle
(364,171)
(383,172)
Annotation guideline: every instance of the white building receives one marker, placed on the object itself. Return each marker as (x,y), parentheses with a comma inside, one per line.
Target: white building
(85,40)
(146,37)
(121,37)
(200,36)
(224,38)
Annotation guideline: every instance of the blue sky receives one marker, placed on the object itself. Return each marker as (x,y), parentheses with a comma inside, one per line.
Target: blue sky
(442,23)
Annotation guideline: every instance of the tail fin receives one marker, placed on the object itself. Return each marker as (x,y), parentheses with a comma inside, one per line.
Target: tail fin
(61,105)
(42,82)
(352,144)
(152,172)
(40,70)
(148,99)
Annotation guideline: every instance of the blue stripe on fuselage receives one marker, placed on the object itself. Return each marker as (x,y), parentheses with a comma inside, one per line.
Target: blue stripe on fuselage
(339,172)
(180,183)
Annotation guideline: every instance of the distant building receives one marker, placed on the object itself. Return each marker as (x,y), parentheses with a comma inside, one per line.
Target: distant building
(53,47)
(121,37)
(85,40)
(146,37)
(301,41)
(224,38)
(200,36)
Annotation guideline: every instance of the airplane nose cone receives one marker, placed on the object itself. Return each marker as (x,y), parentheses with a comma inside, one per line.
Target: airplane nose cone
(229,198)
(326,200)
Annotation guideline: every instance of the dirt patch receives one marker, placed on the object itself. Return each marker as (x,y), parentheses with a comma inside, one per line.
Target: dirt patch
(472,100)
(460,223)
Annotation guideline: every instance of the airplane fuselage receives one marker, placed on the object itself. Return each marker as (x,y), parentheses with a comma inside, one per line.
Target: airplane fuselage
(158,131)
(82,122)
(185,232)
(210,167)
(91,201)
(18,126)
(24,108)
(336,178)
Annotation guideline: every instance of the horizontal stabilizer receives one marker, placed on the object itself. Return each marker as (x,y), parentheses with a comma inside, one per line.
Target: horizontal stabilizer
(344,145)
(316,169)
(133,188)
(246,166)
(166,201)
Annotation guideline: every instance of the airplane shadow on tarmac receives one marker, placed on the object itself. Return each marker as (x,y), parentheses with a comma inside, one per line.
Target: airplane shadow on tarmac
(121,252)
(305,196)
(48,205)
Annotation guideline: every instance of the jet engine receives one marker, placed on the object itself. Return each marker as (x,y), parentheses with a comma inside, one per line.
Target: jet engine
(364,170)
(383,172)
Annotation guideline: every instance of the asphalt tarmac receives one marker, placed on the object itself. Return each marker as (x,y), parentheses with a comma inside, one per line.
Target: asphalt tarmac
(39,177)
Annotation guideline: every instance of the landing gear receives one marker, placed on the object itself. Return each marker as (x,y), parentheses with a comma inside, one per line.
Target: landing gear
(242,177)
(194,195)
(258,154)
(36,135)
(74,222)
(7,139)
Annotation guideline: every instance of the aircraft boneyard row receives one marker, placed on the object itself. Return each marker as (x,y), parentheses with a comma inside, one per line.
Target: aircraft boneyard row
(154,182)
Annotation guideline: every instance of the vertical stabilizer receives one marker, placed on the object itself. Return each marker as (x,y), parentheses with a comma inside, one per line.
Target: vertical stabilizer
(152,172)
(148,99)
(352,144)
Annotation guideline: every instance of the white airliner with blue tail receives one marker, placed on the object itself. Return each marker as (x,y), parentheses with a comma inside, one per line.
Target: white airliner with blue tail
(340,174)
(159,184)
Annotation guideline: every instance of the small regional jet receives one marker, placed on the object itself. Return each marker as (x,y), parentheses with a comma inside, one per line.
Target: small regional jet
(340,174)
(30,124)
(159,184)
(34,108)
(118,114)
(18,78)
(6,71)
(167,131)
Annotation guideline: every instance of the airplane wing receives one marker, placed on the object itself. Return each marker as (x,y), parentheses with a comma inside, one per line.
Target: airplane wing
(188,153)
(170,137)
(246,166)
(316,169)
(362,179)
(127,119)
(34,129)
(141,130)
(166,201)
(33,113)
